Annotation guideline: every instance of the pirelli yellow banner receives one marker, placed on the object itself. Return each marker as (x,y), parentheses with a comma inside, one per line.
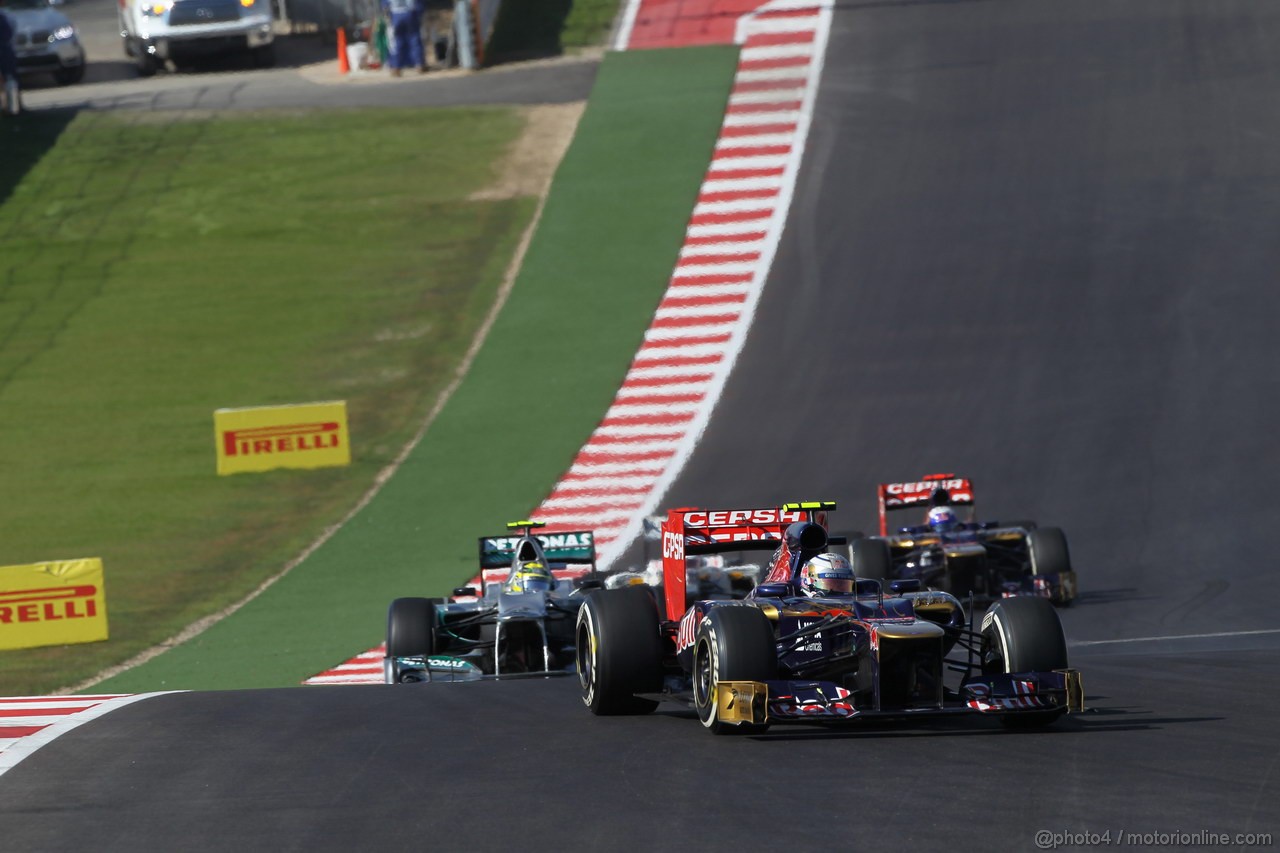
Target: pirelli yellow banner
(50,604)
(310,435)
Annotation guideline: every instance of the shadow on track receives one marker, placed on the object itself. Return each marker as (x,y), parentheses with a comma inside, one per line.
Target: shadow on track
(1084,723)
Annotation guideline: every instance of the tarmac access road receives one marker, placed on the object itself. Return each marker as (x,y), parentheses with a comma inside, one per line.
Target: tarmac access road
(1034,243)
(306,76)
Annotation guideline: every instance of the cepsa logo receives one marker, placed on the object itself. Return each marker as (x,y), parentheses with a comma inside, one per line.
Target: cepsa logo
(672,546)
(48,605)
(927,487)
(738,517)
(292,438)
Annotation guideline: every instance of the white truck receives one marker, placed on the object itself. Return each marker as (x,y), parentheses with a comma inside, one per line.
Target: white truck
(178,31)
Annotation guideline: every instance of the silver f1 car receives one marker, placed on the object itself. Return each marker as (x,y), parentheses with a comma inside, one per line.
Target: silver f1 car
(522,625)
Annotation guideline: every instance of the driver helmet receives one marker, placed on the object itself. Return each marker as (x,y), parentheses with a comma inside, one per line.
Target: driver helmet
(942,519)
(826,575)
(531,577)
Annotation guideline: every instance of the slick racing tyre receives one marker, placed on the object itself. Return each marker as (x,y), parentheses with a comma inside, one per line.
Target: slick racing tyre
(870,559)
(733,643)
(1023,634)
(1047,548)
(411,627)
(619,650)
(1048,554)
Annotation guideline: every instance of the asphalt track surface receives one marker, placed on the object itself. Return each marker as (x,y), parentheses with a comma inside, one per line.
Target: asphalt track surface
(1033,243)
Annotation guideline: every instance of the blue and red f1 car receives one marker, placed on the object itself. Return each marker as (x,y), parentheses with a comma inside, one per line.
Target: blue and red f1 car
(782,656)
(949,550)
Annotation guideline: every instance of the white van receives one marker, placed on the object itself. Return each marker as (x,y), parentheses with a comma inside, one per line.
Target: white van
(180,30)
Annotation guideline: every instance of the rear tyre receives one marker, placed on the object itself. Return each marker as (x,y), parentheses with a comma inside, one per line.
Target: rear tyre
(619,651)
(870,559)
(732,644)
(1023,634)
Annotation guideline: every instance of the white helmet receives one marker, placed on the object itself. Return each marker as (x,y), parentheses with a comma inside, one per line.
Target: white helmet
(942,519)
(826,575)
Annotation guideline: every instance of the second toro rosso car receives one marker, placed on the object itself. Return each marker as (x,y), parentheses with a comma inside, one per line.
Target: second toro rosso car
(812,642)
(521,625)
(947,549)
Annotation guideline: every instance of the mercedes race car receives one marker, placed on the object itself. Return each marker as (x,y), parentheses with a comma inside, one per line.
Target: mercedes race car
(520,625)
(793,652)
(951,552)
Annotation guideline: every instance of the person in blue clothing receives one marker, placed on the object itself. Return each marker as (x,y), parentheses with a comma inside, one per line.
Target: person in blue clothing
(406,35)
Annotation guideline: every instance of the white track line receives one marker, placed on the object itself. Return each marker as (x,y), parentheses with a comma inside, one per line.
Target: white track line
(810,71)
(1175,637)
(20,748)
(628,21)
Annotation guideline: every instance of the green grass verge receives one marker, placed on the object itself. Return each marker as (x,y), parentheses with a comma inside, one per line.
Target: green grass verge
(528,29)
(588,23)
(155,267)
(601,258)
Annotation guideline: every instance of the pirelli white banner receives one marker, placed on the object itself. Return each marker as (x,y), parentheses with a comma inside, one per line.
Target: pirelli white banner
(51,604)
(309,435)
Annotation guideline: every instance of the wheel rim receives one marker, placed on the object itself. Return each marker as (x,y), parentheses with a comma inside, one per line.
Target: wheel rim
(585,655)
(704,681)
(995,654)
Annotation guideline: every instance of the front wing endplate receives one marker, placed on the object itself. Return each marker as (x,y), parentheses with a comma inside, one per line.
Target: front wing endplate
(739,702)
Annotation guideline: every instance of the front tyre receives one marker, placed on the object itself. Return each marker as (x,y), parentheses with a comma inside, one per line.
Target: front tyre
(732,644)
(146,64)
(1047,552)
(411,627)
(69,75)
(619,651)
(1047,549)
(1023,634)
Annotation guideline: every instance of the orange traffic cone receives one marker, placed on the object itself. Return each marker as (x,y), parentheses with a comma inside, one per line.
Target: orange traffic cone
(344,67)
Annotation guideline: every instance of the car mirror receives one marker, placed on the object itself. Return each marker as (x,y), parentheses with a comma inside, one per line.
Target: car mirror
(465,590)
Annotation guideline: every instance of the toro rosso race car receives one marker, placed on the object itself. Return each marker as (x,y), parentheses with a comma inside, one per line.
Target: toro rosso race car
(952,552)
(521,625)
(812,643)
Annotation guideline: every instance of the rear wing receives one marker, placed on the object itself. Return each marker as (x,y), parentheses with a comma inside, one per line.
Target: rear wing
(576,547)
(689,531)
(930,489)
